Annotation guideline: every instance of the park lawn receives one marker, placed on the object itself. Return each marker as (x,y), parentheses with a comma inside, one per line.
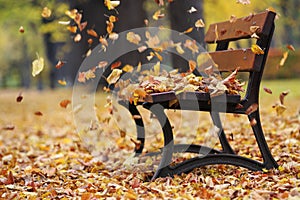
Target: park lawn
(42,156)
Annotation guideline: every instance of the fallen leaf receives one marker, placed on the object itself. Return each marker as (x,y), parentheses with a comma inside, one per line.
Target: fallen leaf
(38,113)
(37,66)
(256,49)
(64,103)
(8,127)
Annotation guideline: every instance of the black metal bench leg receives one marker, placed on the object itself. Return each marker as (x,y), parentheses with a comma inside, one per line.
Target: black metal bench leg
(222,137)
(138,123)
(163,168)
(268,159)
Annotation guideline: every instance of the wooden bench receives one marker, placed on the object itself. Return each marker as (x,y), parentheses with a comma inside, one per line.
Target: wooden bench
(227,61)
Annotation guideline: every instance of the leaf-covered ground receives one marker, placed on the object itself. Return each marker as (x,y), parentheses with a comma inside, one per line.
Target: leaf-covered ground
(41,155)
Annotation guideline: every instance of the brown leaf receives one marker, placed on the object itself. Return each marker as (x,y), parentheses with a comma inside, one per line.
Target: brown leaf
(38,113)
(267,90)
(19,97)
(290,47)
(92,32)
(252,109)
(21,29)
(59,64)
(283,95)
(115,65)
(8,127)
(64,103)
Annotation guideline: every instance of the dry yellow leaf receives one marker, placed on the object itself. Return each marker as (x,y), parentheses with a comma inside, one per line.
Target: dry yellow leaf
(283,59)
(128,68)
(37,66)
(256,49)
(111,4)
(157,15)
(133,38)
(199,23)
(156,68)
(114,76)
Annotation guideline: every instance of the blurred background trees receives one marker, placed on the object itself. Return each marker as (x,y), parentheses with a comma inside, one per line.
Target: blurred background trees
(54,42)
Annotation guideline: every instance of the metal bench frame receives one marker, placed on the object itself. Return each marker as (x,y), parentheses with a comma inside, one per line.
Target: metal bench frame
(160,101)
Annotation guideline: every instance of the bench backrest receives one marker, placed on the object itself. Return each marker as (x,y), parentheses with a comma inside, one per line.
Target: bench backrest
(262,24)
(224,32)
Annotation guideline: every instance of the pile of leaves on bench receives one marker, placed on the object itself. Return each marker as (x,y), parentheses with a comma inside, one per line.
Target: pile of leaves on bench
(153,81)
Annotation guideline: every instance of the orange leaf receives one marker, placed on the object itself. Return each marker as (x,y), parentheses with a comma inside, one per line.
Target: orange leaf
(60,64)
(62,82)
(77,38)
(188,30)
(115,65)
(64,103)
(38,113)
(290,47)
(192,65)
(92,32)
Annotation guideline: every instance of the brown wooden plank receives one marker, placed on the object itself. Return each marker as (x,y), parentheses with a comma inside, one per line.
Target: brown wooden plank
(229,60)
(230,31)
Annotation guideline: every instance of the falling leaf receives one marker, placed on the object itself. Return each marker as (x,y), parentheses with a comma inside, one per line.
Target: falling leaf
(19,97)
(82,26)
(90,41)
(78,18)
(142,48)
(59,64)
(283,95)
(38,113)
(64,103)
(192,65)
(113,36)
(253,122)
(111,4)
(77,38)
(179,49)
(192,45)
(199,23)
(115,65)
(290,47)
(216,33)
(71,13)
(232,19)
(46,13)
(72,29)
(252,109)
(279,108)
(114,76)
(256,49)
(92,32)
(21,29)
(103,41)
(188,30)
(158,15)
(90,74)
(88,53)
(156,68)
(267,90)
(128,68)
(102,64)
(254,35)
(62,82)
(192,10)
(160,58)
(37,66)
(109,27)
(283,59)
(112,18)
(81,77)
(244,2)
(133,38)
(254,29)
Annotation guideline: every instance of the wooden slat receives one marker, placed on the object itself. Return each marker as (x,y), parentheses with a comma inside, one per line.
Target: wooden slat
(229,60)
(230,31)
